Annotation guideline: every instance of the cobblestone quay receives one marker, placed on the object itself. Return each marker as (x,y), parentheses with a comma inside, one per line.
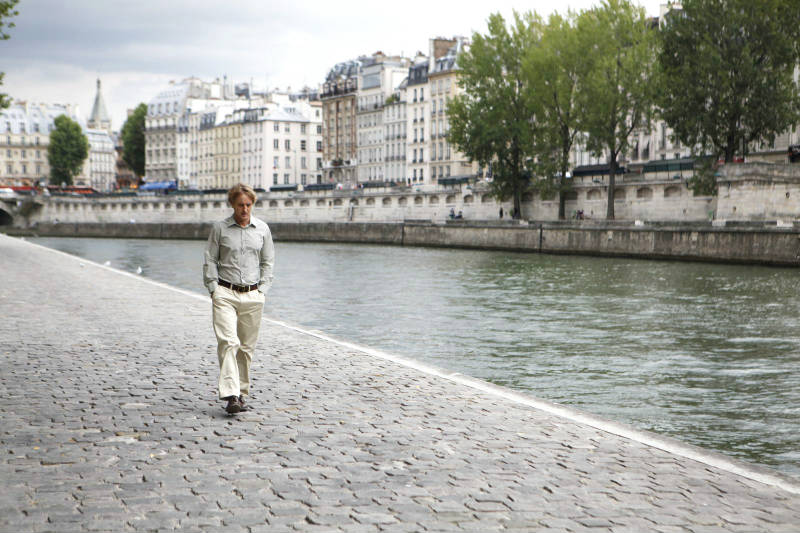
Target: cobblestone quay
(110,422)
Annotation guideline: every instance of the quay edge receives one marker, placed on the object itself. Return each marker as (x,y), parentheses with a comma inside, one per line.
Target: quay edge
(740,244)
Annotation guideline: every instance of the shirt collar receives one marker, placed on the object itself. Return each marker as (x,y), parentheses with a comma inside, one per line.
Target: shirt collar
(230,221)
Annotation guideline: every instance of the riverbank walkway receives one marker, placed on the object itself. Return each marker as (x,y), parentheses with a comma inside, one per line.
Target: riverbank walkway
(109,422)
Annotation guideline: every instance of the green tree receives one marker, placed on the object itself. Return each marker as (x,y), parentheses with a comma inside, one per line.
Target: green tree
(67,151)
(727,73)
(133,140)
(6,11)
(491,122)
(555,69)
(618,95)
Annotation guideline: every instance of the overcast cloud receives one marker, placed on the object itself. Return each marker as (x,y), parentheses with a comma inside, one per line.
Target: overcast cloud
(58,49)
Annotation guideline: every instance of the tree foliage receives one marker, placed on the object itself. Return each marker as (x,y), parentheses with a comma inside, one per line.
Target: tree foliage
(727,73)
(133,140)
(555,69)
(67,151)
(618,95)
(6,11)
(492,121)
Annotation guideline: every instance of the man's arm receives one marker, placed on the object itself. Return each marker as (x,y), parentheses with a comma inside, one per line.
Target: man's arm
(211,260)
(266,262)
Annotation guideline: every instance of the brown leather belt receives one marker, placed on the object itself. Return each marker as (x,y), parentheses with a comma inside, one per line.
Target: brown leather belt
(237,288)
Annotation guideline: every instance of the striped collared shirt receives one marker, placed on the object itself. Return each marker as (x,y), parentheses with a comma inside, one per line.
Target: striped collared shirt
(239,255)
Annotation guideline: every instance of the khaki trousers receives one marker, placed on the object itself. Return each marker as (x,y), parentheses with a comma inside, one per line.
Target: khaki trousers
(237,319)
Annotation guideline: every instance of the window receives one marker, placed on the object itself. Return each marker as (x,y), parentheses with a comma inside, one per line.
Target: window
(24,168)
(275,179)
(23,153)
(421,94)
(303,162)
(287,128)
(303,179)
(319,146)
(319,163)
(302,128)
(286,179)
(276,127)
(275,162)
(287,144)
(421,156)
(319,130)
(303,146)
(276,144)
(288,162)
(421,174)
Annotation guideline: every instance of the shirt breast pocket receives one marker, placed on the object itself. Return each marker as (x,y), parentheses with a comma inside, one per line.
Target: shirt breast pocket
(253,242)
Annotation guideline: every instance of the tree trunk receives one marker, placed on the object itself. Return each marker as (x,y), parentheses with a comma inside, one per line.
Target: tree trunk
(612,171)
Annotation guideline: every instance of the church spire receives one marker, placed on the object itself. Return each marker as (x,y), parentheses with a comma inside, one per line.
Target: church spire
(99,118)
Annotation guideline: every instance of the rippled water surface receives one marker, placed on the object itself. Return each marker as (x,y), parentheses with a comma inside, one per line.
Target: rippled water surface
(706,353)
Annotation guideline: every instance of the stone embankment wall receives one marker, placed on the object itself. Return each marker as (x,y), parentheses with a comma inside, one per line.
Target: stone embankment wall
(635,201)
(747,192)
(759,191)
(695,242)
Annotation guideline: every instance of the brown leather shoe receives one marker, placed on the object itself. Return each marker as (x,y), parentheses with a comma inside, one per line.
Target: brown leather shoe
(233,406)
(244,406)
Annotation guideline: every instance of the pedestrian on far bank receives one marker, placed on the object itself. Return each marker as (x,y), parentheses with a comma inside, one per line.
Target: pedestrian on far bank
(237,271)
(501,213)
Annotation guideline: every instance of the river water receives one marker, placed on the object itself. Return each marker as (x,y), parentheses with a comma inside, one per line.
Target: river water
(706,353)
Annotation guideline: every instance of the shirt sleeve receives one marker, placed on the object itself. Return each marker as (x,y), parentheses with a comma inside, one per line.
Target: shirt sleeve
(211,260)
(266,262)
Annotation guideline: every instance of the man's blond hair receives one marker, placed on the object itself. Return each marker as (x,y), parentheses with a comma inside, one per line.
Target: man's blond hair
(241,188)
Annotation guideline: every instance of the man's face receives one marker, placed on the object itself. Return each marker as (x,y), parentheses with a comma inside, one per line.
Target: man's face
(242,205)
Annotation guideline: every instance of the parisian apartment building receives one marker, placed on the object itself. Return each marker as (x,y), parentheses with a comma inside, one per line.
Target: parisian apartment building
(25,129)
(385,120)
(212,135)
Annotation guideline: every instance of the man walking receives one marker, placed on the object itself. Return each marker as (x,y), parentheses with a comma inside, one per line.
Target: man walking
(237,271)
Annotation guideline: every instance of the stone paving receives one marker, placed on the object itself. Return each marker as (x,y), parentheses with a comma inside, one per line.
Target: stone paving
(110,423)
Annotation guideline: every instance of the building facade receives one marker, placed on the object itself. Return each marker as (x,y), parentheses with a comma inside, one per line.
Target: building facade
(445,160)
(24,137)
(282,145)
(164,117)
(394,136)
(101,166)
(378,79)
(339,123)
(417,118)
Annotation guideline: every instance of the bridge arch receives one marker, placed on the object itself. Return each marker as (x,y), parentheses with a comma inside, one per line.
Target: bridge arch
(6,218)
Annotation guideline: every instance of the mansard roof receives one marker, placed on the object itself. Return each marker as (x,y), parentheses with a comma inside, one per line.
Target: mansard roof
(286,114)
(346,69)
(24,118)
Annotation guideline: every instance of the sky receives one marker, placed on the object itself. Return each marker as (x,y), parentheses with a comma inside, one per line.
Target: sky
(59,49)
